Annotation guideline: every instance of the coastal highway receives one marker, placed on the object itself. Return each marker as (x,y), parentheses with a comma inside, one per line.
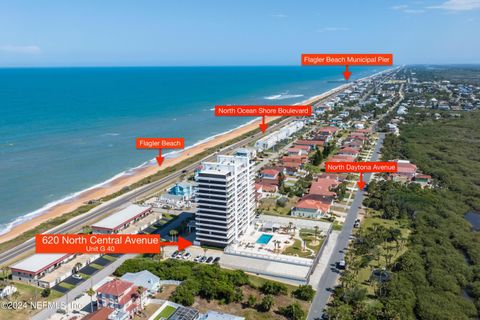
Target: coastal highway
(133,195)
(330,276)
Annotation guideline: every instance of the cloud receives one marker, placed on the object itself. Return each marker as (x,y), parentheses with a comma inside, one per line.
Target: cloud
(332,29)
(414,11)
(406,9)
(458,5)
(279,15)
(31,49)
(399,7)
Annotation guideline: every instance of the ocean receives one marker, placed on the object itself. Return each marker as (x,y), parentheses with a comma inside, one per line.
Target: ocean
(63,130)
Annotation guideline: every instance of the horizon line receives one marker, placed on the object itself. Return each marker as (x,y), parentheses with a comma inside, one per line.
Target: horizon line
(222,66)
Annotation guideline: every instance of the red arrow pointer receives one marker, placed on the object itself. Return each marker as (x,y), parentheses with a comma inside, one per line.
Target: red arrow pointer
(361,183)
(159,157)
(263,125)
(181,243)
(346,73)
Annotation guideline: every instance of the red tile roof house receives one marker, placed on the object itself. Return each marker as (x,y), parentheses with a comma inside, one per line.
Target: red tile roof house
(364,131)
(342,158)
(266,188)
(318,201)
(123,296)
(296,151)
(328,130)
(336,176)
(311,206)
(311,143)
(353,144)
(270,174)
(323,186)
(346,151)
(357,134)
(291,168)
(352,137)
(406,170)
(306,148)
(259,191)
(296,159)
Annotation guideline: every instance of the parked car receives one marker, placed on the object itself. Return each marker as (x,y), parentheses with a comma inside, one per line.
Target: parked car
(175,254)
(341,265)
(197,258)
(187,255)
(209,260)
(204,258)
(216,260)
(77,276)
(356,224)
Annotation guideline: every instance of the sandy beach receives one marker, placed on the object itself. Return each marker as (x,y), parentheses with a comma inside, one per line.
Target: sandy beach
(138,174)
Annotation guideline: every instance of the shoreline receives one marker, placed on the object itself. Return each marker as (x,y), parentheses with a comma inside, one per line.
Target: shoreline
(116,183)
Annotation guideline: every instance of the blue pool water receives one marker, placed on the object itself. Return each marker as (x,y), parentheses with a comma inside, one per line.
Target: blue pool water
(264,238)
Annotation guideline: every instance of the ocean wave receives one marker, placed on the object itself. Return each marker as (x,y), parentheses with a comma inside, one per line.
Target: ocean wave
(283,96)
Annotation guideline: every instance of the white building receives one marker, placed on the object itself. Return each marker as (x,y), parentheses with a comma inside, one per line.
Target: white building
(225,200)
(33,268)
(121,220)
(273,138)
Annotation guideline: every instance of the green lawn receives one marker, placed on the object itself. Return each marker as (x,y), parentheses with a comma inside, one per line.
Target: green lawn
(296,250)
(308,236)
(166,313)
(337,226)
(109,258)
(66,285)
(269,206)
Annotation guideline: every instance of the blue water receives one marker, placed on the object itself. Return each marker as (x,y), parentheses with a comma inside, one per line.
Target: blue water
(63,130)
(264,238)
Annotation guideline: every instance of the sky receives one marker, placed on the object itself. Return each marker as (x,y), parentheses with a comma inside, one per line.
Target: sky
(227,32)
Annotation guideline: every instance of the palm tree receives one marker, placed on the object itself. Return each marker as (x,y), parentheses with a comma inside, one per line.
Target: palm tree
(276,245)
(4,272)
(315,233)
(91,293)
(173,233)
(77,267)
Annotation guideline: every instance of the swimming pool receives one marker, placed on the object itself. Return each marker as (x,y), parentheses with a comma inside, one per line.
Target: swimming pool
(264,238)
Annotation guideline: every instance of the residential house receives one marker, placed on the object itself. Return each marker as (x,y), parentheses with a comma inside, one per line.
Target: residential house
(123,296)
(318,201)
(184,189)
(347,151)
(144,279)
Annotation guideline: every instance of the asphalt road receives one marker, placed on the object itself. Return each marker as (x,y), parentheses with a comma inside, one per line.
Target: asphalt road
(330,276)
(118,202)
